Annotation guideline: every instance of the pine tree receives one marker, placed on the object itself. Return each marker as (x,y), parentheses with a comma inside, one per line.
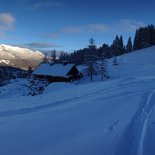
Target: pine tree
(114,46)
(117,46)
(152,34)
(121,45)
(136,40)
(144,37)
(129,47)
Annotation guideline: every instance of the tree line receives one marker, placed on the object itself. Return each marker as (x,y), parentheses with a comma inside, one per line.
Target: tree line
(95,57)
(144,37)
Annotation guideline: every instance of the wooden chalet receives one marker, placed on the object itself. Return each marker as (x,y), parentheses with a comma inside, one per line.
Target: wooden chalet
(57,72)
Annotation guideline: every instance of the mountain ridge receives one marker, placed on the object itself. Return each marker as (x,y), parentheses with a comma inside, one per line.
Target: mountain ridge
(19,57)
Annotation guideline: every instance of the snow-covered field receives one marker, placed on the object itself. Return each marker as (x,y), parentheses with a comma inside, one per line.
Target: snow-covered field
(111,117)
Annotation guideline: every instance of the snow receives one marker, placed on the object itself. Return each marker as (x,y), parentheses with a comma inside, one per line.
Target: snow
(18,57)
(54,69)
(114,117)
(144,129)
(5,61)
(17,49)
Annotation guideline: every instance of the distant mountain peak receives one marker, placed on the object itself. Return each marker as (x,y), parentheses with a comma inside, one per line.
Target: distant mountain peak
(19,57)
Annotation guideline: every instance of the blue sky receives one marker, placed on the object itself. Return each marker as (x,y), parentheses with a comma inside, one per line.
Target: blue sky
(68,24)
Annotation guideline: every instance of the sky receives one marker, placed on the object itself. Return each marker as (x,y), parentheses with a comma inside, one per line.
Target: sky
(68,24)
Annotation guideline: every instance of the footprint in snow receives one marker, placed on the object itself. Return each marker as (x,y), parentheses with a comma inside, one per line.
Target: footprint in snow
(113,126)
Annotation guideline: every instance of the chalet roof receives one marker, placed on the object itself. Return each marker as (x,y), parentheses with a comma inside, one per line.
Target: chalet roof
(53,70)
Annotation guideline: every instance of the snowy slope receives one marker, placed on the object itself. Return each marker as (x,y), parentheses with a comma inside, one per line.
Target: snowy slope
(19,57)
(114,117)
(136,64)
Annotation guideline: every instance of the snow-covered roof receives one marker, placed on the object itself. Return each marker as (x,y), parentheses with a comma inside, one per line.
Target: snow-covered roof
(53,70)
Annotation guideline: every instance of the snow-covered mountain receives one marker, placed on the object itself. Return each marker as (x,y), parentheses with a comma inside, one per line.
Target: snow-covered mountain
(111,117)
(19,57)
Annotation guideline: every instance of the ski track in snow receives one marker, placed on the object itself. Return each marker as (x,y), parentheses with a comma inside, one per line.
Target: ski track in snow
(57,104)
(144,129)
(134,136)
(100,93)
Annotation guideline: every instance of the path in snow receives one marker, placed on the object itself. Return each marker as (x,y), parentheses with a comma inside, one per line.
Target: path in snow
(133,139)
(104,93)
(58,104)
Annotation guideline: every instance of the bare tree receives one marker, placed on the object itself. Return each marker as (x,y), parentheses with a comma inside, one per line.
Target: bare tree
(103,66)
(53,55)
(91,58)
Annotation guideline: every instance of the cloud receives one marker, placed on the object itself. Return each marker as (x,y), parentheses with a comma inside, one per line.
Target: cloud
(76,29)
(119,27)
(47,4)
(49,35)
(125,26)
(89,28)
(93,28)
(7,21)
(41,45)
(131,25)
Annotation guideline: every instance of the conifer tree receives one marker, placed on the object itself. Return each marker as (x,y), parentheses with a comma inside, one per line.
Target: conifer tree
(144,37)
(129,47)
(136,40)
(117,47)
(152,34)
(121,45)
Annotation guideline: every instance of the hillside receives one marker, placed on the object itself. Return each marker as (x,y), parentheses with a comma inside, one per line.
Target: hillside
(136,64)
(115,116)
(19,57)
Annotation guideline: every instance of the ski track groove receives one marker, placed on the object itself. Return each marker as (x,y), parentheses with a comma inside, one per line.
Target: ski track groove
(144,129)
(103,92)
(133,139)
(34,109)
(100,92)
